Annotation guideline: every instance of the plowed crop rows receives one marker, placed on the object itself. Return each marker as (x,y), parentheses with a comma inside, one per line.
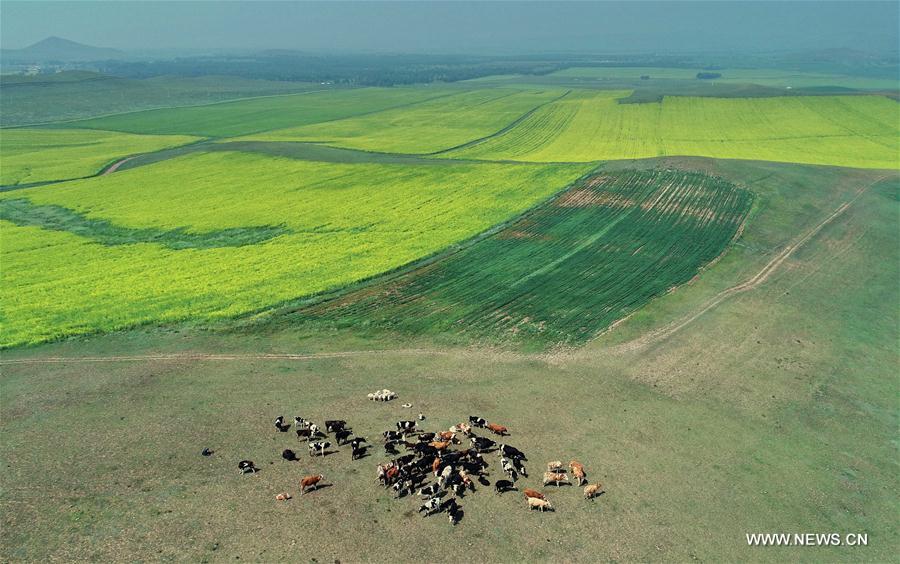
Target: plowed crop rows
(569,269)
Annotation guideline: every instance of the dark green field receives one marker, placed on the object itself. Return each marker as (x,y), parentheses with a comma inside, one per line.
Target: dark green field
(567,270)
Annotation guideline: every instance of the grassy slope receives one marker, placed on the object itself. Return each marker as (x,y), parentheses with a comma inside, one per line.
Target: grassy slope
(102,460)
(858,131)
(58,283)
(79,95)
(426,127)
(251,116)
(40,155)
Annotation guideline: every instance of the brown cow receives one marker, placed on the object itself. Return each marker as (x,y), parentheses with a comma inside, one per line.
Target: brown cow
(283,496)
(577,469)
(449,436)
(436,465)
(533,493)
(440,445)
(541,504)
(497,429)
(593,490)
(310,481)
(556,478)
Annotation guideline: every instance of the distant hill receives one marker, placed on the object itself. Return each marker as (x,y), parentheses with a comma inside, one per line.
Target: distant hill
(59,49)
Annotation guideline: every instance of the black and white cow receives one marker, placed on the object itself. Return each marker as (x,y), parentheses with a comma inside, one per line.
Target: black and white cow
(429,491)
(247,467)
(391,436)
(427,437)
(279,424)
(477,421)
(300,422)
(357,451)
(318,448)
(405,427)
(431,506)
(508,467)
(357,442)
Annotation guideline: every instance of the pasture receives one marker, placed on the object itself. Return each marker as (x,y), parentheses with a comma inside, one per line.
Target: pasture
(564,271)
(857,131)
(138,241)
(775,410)
(42,155)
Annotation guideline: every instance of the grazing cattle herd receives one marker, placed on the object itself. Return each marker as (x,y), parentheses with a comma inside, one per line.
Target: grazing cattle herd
(438,454)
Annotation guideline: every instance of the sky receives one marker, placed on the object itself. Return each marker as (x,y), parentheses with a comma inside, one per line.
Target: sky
(458,27)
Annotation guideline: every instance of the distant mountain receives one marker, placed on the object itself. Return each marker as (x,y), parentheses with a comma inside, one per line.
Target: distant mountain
(59,49)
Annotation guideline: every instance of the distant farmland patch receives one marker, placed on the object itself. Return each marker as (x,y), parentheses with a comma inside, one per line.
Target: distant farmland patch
(566,271)
(42,155)
(260,114)
(425,127)
(855,131)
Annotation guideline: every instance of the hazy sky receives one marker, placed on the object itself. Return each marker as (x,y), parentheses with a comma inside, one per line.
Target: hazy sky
(463,27)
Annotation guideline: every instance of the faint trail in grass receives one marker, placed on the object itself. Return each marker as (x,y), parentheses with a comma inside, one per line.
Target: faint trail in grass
(24,213)
(752,283)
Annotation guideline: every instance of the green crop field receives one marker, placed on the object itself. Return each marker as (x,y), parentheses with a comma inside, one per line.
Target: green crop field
(765,77)
(260,114)
(72,95)
(41,155)
(174,241)
(858,131)
(570,269)
(425,127)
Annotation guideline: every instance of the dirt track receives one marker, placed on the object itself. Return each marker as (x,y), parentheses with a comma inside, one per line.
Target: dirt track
(755,281)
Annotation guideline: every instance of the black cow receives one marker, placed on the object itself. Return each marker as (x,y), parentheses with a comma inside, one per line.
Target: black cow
(390,448)
(288,455)
(318,448)
(334,425)
(357,451)
(303,433)
(482,444)
(512,453)
(477,421)
(503,486)
(247,467)
(342,436)
(405,427)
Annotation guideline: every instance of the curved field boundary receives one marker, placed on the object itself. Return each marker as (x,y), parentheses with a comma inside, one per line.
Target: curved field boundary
(564,272)
(508,127)
(752,283)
